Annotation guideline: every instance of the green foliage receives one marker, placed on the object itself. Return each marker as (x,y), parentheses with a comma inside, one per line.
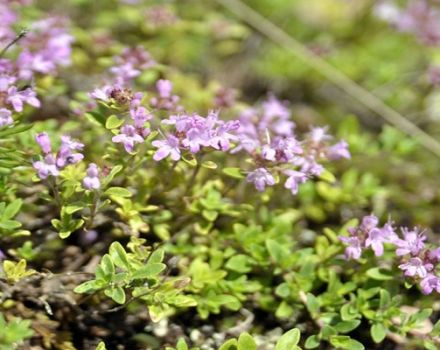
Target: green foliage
(14,332)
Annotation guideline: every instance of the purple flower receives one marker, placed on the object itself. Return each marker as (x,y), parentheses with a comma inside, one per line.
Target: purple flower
(102,93)
(434,255)
(166,99)
(295,178)
(221,137)
(411,244)
(66,154)
(416,267)
(375,240)
(44,142)
(18,98)
(309,165)
(126,72)
(128,137)
(130,63)
(338,151)
(276,117)
(282,149)
(140,116)
(46,167)
(354,249)
(164,87)
(91,181)
(369,222)
(167,147)
(5,117)
(261,178)
(318,135)
(430,283)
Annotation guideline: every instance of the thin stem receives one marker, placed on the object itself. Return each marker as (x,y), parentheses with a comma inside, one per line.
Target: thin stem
(339,79)
(93,209)
(193,176)
(19,36)
(54,188)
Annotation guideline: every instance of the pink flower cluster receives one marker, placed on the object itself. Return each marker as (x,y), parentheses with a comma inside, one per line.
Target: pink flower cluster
(45,47)
(130,64)
(13,99)
(417,261)
(267,135)
(194,133)
(51,163)
(165,99)
(419,17)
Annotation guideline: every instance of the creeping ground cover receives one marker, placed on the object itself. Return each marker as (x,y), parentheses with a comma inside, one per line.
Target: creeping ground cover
(225,174)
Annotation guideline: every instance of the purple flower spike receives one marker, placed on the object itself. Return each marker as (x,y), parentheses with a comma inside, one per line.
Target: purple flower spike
(261,178)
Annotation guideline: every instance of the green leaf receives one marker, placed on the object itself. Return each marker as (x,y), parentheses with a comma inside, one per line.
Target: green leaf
(181,345)
(113,122)
(328,331)
(209,164)
(347,326)
(148,271)
(379,274)
(239,263)
(95,118)
(73,208)
(118,192)
(349,312)
(107,265)
(231,344)
(345,342)
(119,255)
(246,342)
(288,340)
(312,303)
(12,209)
(210,215)
(385,298)
(156,256)
(116,293)
(9,224)
(312,342)
(101,346)
(278,252)
(327,176)
(378,332)
(115,170)
(234,172)
(86,287)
